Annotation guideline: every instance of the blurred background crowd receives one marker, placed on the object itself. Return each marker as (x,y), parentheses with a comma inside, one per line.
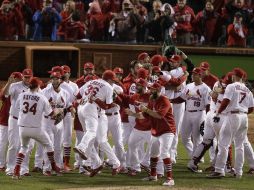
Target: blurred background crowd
(183,22)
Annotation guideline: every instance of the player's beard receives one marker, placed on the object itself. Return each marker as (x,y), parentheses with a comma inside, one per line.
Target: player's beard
(139,90)
(155,95)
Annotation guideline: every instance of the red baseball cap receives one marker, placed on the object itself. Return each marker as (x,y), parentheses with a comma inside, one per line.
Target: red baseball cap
(17,75)
(66,69)
(56,75)
(175,59)
(156,69)
(205,66)
(142,56)
(228,78)
(156,60)
(141,82)
(57,69)
(27,73)
(118,70)
(156,86)
(142,73)
(35,82)
(88,65)
(197,71)
(239,72)
(109,75)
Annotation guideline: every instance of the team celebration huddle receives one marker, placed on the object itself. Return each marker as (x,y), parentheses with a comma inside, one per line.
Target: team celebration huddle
(162,101)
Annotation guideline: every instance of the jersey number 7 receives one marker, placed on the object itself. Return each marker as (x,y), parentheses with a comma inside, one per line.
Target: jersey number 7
(243,95)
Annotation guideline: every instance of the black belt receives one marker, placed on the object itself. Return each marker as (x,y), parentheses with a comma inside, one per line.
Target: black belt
(110,114)
(14,117)
(194,110)
(237,111)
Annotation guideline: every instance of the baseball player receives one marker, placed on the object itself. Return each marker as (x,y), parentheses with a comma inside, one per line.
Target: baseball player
(197,99)
(144,58)
(32,105)
(141,132)
(96,122)
(13,130)
(211,129)
(237,103)
(115,128)
(160,113)
(5,105)
(58,98)
(68,120)
(174,92)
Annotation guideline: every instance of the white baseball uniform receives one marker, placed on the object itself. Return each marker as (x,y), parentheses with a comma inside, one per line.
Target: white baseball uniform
(115,128)
(235,126)
(32,107)
(211,130)
(197,98)
(57,100)
(13,129)
(92,114)
(178,110)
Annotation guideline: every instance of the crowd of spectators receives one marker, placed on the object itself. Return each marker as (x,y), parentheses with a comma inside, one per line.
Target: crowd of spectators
(184,22)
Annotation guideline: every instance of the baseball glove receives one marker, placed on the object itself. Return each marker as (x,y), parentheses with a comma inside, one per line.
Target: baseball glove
(60,116)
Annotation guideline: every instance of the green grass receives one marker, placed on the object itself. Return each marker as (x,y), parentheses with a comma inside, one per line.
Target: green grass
(183,179)
(221,64)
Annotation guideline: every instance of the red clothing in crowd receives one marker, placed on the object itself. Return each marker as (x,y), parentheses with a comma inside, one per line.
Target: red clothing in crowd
(184,18)
(234,39)
(210,80)
(206,25)
(136,100)
(167,123)
(5,105)
(74,30)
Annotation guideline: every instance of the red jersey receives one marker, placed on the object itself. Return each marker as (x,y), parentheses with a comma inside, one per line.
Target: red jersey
(137,100)
(5,105)
(210,80)
(127,82)
(167,123)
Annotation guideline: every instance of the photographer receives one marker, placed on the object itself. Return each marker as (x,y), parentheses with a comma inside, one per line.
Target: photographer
(126,23)
(46,21)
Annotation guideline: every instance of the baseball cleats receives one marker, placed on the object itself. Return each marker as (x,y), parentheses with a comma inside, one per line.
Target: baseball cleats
(80,152)
(96,171)
(57,170)
(169,182)
(47,173)
(145,168)
(37,170)
(150,178)
(250,171)
(26,174)
(193,168)
(160,176)
(67,168)
(132,172)
(116,171)
(87,168)
(123,170)
(210,169)
(2,169)
(215,175)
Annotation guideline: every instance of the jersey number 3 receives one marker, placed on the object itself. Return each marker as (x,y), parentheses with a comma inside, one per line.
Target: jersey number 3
(27,108)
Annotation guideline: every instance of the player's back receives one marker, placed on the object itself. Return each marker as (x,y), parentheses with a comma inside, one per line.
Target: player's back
(32,107)
(240,97)
(99,89)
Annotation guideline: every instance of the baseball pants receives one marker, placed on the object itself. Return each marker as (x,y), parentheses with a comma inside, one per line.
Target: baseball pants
(234,128)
